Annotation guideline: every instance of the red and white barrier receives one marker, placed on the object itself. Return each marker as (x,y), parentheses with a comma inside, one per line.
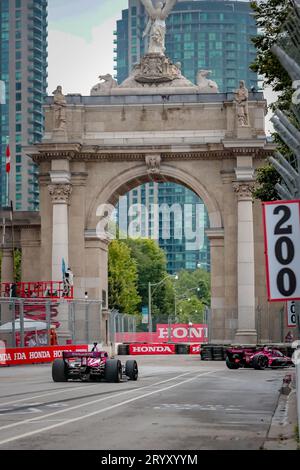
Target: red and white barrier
(20,356)
(195,349)
(151,349)
(177,333)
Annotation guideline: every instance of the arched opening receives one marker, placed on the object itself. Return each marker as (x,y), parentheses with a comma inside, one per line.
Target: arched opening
(131,179)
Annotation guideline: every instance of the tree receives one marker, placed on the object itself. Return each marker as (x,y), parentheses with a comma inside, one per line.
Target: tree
(152,267)
(266,179)
(17,265)
(122,279)
(270,15)
(190,310)
(194,283)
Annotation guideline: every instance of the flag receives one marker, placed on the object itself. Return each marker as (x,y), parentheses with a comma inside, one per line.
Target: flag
(63,268)
(7,159)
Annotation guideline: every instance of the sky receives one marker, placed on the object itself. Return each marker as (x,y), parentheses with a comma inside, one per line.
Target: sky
(81,44)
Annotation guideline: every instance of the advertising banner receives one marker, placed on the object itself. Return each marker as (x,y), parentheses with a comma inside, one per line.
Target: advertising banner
(195,349)
(151,349)
(20,356)
(177,333)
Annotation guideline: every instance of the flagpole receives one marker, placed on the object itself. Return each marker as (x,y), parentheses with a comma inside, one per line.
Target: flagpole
(12,236)
(7,169)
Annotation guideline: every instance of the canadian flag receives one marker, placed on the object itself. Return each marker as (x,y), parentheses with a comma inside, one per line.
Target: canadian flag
(7,159)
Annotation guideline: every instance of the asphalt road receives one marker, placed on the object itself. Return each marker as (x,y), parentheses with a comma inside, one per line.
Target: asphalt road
(178,402)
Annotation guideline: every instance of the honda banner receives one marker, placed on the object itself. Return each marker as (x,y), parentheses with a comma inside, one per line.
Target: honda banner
(151,349)
(20,356)
(177,333)
(195,349)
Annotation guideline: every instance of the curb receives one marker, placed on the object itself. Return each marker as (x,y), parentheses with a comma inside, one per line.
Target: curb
(282,431)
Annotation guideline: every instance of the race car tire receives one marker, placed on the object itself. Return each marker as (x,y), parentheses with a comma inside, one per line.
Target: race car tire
(231,365)
(260,362)
(59,371)
(131,370)
(113,370)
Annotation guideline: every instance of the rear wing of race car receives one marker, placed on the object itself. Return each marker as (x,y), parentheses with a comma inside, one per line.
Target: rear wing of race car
(75,354)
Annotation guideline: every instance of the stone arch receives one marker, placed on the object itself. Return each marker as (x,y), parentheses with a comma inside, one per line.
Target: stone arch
(133,177)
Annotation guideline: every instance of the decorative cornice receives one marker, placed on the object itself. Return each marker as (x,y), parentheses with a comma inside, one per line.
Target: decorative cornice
(244,190)
(60,193)
(139,154)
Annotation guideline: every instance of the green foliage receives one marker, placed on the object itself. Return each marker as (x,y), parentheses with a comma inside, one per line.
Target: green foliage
(151,267)
(270,16)
(122,279)
(194,283)
(17,265)
(266,179)
(17,262)
(190,310)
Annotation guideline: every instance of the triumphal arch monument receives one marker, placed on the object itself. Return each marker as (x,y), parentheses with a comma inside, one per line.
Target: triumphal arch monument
(155,126)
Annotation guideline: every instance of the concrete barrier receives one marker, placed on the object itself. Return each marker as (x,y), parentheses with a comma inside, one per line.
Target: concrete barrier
(298,393)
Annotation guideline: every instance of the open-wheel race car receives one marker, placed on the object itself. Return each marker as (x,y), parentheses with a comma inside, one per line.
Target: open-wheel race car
(92,366)
(257,358)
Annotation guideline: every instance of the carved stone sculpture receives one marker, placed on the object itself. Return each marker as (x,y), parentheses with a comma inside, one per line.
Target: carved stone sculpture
(60,193)
(153,163)
(106,84)
(241,98)
(244,190)
(205,84)
(155,68)
(60,104)
(156,26)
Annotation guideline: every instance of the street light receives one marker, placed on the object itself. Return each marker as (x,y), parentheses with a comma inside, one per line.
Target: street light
(184,296)
(190,326)
(155,284)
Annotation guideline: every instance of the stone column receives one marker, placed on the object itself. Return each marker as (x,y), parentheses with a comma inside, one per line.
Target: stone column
(216,238)
(60,194)
(246,332)
(7,265)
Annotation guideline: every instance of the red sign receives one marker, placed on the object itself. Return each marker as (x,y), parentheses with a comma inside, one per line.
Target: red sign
(151,349)
(195,349)
(20,356)
(178,333)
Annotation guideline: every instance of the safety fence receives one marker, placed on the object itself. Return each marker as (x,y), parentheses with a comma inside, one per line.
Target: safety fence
(40,322)
(37,290)
(121,326)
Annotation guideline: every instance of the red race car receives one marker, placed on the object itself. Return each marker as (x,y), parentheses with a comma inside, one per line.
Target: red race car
(92,366)
(257,358)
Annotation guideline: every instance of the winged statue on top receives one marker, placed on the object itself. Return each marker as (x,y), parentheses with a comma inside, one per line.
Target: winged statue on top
(156,27)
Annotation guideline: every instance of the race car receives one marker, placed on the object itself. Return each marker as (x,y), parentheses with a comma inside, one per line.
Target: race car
(92,366)
(257,358)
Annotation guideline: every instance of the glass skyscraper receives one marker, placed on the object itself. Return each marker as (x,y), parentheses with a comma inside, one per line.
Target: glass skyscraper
(23,76)
(213,35)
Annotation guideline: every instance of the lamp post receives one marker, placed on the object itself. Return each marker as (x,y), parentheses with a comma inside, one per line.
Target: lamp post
(190,326)
(183,296)
(150,285)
